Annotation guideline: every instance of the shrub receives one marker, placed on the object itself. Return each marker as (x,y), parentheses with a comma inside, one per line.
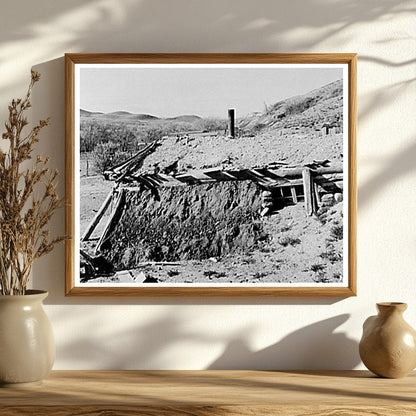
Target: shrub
(214,274)
(331,255)
(336,276)
(317,267)
(259,275)
(337,232)
(286,241)
(106,155)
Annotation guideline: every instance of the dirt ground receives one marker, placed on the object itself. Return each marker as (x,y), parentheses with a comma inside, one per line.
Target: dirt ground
(203,152)
(299,249)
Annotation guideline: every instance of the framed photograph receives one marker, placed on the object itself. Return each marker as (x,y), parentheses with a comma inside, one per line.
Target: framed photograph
(211,174)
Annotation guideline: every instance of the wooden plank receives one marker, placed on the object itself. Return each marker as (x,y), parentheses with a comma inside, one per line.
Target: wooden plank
(114,217)
(220,175)
(285,183)
(267,177)
(294,196)
(125,166)
(225,291)
(317,197)
(297,172)
(214,392)
(95,221)
(178,410)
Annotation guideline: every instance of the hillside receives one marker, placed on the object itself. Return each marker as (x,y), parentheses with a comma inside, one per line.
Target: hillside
(120,116)
(188,118)
(117,116)
(308,111)
(85,113)
(288,131)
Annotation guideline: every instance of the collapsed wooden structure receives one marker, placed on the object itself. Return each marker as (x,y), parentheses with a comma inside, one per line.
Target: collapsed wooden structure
(287,184)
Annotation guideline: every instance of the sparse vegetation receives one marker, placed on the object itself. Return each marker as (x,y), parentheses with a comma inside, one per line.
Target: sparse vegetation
(127,132)
(306,111)
(321,279)
(331,255)
(317,268)
(211,274)
(172,273)
(286,241)
(106,155)
(337,232)
(211,124)
(259,275)
(286,228)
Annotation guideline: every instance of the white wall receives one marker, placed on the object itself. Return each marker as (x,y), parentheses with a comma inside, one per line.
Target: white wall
(199,333)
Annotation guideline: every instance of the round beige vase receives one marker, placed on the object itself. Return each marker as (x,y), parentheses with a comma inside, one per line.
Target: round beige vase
(27,347)
(388,345)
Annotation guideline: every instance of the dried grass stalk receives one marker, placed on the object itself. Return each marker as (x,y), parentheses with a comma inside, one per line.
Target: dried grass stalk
(28,199)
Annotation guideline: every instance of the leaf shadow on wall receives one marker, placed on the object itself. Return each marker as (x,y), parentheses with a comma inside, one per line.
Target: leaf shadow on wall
(136,347)
(232,28)
(152,345)
(313,347)
(188,26)
(402,163)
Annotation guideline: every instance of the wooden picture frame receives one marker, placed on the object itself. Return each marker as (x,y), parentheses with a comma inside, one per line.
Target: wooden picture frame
(324,118)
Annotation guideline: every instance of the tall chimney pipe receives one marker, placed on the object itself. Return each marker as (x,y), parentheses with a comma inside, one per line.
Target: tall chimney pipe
(231,122)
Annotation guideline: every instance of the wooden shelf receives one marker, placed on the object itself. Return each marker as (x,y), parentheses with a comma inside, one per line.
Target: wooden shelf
(203,393)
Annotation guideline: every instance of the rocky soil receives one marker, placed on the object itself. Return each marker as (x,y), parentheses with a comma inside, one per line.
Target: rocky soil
(214,233)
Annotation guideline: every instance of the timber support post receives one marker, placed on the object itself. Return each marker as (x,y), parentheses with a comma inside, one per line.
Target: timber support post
(309,192)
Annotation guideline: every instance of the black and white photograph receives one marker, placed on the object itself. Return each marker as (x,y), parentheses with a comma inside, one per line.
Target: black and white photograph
(211,175)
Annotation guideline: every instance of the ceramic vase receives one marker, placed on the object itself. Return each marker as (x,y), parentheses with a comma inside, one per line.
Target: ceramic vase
(27,347)
(388,345)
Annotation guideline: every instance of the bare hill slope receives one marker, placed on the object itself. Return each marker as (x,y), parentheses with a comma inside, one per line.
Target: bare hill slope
(288,131)
(310,111)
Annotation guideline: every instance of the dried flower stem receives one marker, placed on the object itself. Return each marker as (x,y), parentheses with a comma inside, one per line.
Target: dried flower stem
(23,218)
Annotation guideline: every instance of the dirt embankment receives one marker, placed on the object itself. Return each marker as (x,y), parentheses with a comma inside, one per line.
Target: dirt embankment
(186,223)
(204,152)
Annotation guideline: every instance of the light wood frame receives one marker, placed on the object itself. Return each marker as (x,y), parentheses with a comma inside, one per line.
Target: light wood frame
(71,60)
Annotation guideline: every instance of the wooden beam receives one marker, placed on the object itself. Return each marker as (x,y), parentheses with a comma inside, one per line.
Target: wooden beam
(294,196)
(114,217)
(297,172)
(308,189)
(317,197)
(95,221)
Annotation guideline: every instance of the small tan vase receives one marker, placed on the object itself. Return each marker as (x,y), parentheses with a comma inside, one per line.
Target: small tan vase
(27,347)
(388,344)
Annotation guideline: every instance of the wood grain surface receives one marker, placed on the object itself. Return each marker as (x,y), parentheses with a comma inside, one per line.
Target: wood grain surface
(203,393)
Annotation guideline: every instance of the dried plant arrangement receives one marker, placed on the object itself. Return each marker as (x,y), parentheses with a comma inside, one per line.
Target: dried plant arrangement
(28,198)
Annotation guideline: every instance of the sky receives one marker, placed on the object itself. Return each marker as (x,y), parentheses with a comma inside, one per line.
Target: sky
(206,92)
